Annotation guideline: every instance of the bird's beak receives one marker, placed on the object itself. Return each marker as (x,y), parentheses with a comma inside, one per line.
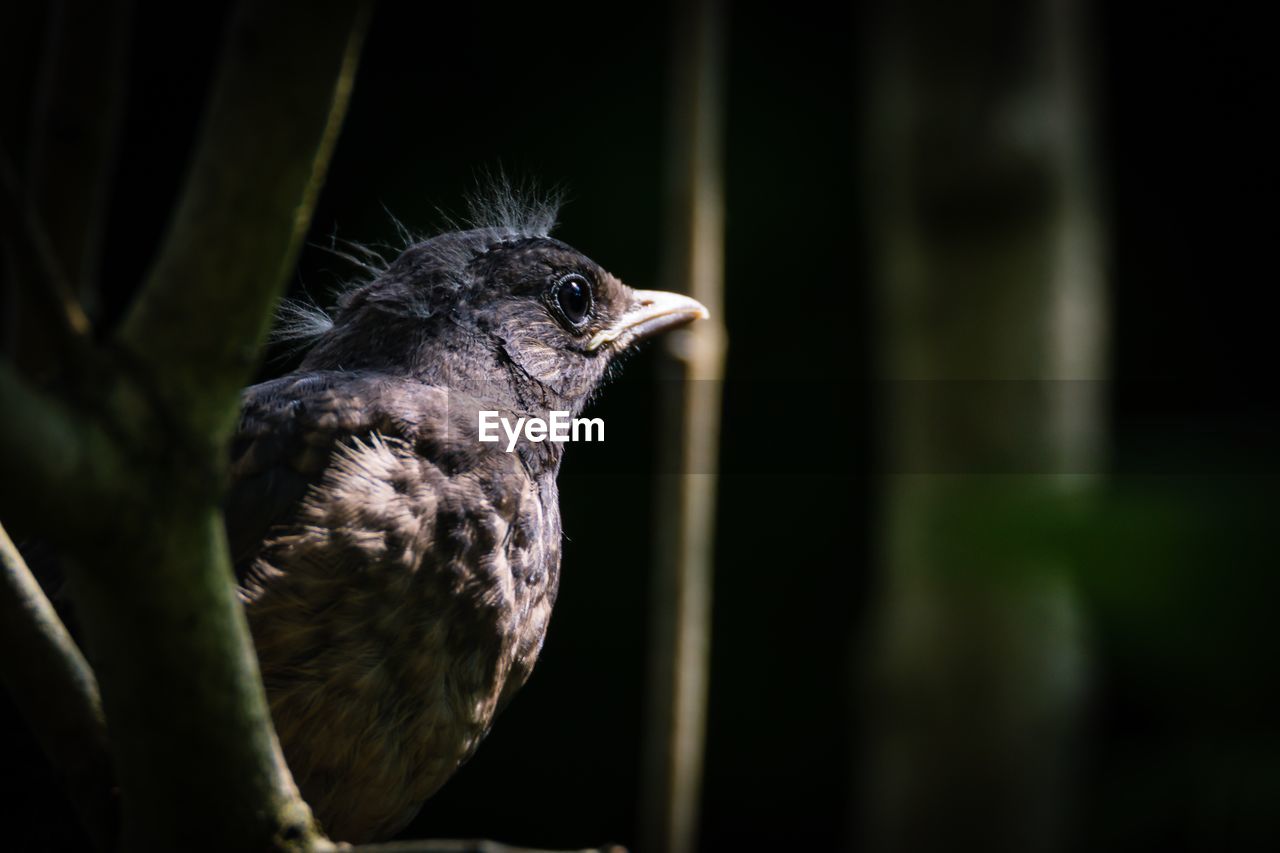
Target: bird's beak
(650,312)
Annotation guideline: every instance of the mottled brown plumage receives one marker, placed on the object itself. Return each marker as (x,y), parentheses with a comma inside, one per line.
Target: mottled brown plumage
(399,574)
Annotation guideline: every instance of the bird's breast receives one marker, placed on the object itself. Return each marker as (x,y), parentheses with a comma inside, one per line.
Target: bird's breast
(391,618)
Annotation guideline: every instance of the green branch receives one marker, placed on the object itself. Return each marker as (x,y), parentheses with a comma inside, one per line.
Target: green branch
(55,690)
(55,463)
(276,108)
(123,473)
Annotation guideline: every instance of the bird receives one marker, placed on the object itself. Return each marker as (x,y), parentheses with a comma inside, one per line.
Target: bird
(397,573)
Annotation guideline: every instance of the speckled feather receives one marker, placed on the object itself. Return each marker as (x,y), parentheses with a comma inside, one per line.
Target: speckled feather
(398,590)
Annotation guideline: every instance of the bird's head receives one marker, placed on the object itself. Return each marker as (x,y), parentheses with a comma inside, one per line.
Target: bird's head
(504,312)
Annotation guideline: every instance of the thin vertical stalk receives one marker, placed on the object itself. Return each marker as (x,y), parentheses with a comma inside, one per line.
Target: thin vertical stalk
(694,368)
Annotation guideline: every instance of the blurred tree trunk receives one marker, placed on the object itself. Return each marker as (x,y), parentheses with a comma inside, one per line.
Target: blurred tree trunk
(992,324)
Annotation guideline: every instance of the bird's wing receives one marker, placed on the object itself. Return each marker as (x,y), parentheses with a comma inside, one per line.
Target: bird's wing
(291,427)
(288,431)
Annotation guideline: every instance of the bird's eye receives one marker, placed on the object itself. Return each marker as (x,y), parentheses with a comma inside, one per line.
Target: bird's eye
(573,297)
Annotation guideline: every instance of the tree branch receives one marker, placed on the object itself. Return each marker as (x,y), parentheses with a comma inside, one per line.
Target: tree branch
(54,688)
(142,446)
(472,845)
(197,760)
(54,461)
(36,261)
(74,134)
(273,119)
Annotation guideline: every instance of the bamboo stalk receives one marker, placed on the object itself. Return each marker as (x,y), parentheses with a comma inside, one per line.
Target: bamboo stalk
(686,488)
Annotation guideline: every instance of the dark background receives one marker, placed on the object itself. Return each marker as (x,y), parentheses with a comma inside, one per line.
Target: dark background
(1181,745)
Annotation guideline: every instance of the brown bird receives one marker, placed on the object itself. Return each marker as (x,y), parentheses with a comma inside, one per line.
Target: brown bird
(398,573)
